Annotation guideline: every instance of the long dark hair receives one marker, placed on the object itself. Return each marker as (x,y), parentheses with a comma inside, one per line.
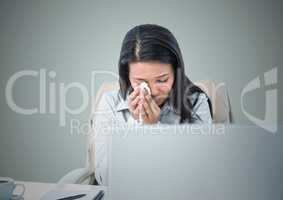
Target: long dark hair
(150,42)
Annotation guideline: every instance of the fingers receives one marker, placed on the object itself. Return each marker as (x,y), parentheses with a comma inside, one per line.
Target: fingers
(143,105)
(134,103)
(134,94)
(153,106)
(147,108)
(137,110)
(133,100)
(151,109)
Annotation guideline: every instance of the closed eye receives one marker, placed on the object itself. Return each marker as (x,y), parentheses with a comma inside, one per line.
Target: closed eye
(162,81)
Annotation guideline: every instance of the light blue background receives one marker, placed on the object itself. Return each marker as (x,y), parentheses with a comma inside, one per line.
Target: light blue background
(223,40)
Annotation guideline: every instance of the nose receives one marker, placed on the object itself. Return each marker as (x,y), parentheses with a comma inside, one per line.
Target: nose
(153,89)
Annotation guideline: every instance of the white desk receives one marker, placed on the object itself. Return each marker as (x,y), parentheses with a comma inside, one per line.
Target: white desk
(35,190)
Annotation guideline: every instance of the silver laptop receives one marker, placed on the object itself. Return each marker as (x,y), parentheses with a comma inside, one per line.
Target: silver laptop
(195,162)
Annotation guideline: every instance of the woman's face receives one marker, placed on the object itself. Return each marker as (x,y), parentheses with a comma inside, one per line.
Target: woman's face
(158,76)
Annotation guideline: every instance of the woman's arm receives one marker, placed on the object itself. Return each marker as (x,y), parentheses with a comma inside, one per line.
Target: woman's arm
(102,118)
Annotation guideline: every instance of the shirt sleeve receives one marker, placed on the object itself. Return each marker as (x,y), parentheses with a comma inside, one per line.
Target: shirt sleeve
(98,141)
(201,110)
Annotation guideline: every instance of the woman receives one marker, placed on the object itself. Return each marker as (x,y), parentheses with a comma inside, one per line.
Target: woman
(150,54)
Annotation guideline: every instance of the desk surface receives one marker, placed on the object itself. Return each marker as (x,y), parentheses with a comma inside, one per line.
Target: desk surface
(34,190)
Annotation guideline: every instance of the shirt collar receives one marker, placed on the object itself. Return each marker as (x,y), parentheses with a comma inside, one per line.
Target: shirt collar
(123,104)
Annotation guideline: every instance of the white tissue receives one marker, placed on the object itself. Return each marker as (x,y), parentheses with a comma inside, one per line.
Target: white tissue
(143,87)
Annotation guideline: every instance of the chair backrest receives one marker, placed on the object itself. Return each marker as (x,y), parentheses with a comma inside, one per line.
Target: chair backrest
(217,92)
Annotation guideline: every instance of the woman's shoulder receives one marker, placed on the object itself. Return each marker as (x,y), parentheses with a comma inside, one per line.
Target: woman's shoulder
(112,98)
(197,98)
(113,94)
(201,106)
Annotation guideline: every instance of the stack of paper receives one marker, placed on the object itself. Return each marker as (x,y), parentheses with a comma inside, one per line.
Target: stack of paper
(57,194)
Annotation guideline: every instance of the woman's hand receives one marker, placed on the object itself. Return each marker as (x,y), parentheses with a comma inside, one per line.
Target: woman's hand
(150,109)
(146,105)
(133,102)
